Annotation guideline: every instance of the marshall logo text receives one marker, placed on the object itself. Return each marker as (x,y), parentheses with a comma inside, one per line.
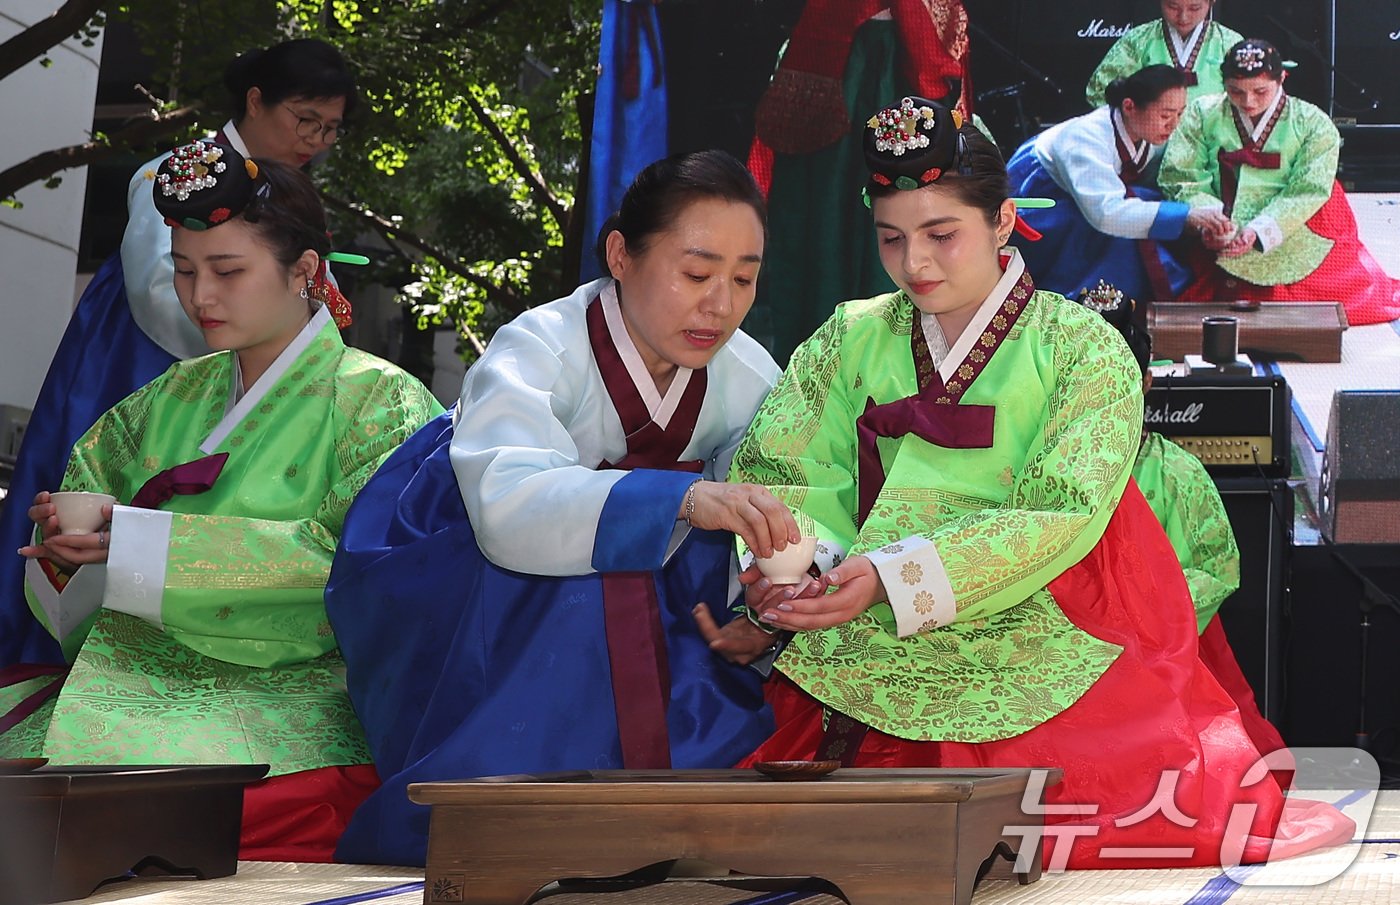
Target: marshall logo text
(1097,28)
(1165,414)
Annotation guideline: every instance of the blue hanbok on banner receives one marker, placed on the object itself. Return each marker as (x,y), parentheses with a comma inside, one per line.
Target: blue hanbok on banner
(487,644)
(629,114)
(101,359)
(1108,222)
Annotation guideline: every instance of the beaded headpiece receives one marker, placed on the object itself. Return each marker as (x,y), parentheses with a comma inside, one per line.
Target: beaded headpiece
(1103,298)
(1252,57)
(1109,302)
(913,143)
(205,183)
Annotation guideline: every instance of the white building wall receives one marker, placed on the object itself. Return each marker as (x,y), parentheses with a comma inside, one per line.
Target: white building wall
(40,108)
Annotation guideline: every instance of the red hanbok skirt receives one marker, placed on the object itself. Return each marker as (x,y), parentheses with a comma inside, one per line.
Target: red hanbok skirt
(301,816)
(1349,274)
(1157,749)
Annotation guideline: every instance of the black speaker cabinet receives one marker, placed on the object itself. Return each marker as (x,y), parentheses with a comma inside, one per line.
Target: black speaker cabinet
(1326,686)
(1260,513)
(1359,500)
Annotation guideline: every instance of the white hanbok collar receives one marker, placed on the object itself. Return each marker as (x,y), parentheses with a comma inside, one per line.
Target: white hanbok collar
(1139,150)
(948,359)
(239,407)
(234,139)
(1181,49)
(660,408)
(1257,127)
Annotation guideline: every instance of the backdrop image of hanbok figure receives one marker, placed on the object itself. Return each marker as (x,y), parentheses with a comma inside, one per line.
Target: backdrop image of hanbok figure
(1110,222)
(1187,37)
(844,58)
(1268,161)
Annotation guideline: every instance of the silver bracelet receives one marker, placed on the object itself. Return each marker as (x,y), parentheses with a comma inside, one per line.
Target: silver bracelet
(690,503)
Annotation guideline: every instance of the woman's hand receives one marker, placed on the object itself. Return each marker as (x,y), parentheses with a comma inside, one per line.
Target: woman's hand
(1211,223)
(66,551)
(1240,244)
(739,641)
(760,594)
(858,587)
(748,510)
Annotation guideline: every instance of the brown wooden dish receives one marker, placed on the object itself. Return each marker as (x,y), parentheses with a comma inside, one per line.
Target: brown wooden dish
(796,770)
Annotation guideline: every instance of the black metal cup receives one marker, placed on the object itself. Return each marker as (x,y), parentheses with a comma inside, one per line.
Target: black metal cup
(1219,339)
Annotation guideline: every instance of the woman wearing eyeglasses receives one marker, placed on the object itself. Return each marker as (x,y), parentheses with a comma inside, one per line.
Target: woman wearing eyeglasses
(288,103)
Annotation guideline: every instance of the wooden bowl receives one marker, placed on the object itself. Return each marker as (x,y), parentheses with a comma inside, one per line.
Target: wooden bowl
(796,770)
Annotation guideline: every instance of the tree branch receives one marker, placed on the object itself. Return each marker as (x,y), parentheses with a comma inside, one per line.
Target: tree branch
(536,182)
(39,37)
(394,233)
(43,165)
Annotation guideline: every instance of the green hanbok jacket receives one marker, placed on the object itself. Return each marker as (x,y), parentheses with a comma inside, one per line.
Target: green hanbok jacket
(1151,44)
(204,638)
(970,646)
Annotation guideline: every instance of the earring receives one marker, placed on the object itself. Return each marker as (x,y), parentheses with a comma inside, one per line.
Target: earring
(305,295)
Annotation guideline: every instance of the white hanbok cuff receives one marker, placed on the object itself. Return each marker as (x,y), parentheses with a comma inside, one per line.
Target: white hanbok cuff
(916,583)
(1269,232)
(137,561)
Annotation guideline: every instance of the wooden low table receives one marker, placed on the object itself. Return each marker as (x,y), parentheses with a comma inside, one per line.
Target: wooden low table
(884,836)
(66,830)
(1275,331)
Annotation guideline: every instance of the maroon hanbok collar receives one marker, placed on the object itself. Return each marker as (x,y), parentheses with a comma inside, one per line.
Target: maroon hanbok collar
(1251,153)
(1187,66)
(1133,159)
(649,444)
(1247,140)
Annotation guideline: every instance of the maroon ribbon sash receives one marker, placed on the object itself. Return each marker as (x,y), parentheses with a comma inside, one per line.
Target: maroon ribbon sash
(934,413)
(187,479)
(1230,164)
(641,675)
(22,672)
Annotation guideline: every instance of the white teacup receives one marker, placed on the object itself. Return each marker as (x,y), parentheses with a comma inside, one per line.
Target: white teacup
(789,565)
(80,512)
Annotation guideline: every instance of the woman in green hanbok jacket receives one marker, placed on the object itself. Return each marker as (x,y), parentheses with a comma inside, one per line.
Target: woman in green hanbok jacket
(193,620)
(1186,37)
(1000,593)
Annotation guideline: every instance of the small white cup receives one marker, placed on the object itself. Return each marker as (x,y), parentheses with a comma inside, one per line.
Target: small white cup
(80,512)
(789,565)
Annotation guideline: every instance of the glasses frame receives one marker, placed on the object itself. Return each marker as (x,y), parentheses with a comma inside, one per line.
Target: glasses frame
(312,129)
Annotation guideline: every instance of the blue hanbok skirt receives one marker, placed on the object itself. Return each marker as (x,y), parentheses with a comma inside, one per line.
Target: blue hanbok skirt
(459,668)
(1072,255)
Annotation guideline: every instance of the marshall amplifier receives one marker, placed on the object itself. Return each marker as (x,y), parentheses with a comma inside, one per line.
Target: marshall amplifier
(1237,426)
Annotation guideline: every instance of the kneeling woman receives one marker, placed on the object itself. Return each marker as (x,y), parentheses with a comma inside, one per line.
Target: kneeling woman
(194,622)
(1110,220)
(1007,597)
(514,589)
